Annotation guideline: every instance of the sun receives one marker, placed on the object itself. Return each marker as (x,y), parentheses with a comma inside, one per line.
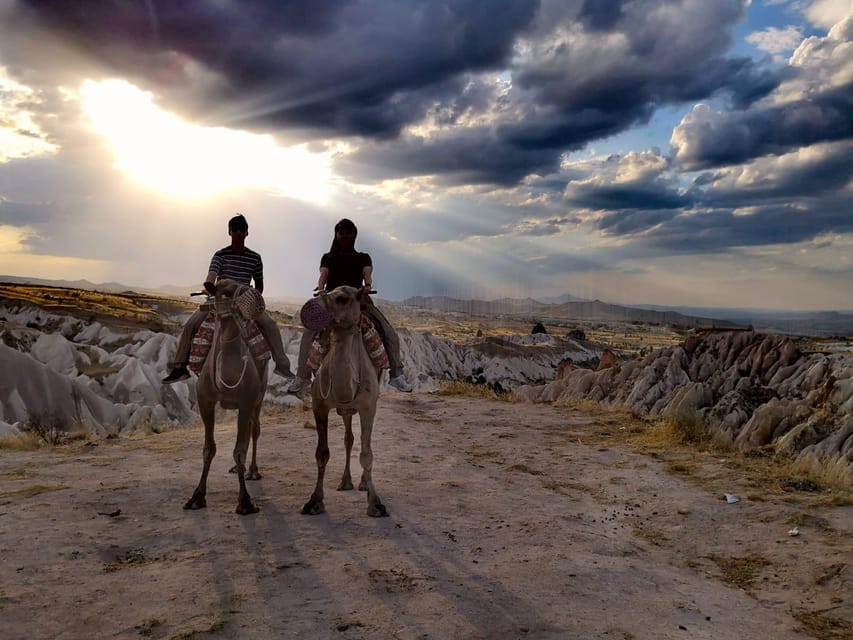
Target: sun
(164,153)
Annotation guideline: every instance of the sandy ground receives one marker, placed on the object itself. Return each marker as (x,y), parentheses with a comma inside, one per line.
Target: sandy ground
(506,521)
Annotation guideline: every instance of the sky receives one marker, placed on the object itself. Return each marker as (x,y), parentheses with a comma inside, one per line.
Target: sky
(667,152)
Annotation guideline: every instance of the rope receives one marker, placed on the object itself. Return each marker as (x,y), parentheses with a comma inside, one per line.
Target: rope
(351,329)
(242,333)
(242,373)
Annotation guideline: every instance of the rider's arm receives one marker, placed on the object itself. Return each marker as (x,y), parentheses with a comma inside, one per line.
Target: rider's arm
(367,274)
(321,281)
(210,279)
(259,284)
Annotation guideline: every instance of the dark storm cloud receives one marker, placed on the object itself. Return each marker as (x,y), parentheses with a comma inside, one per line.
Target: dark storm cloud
(19,214)
(580,71)
(825,173)
(711,140)
(345,67)
(472,156)
(635,196)
(716,230)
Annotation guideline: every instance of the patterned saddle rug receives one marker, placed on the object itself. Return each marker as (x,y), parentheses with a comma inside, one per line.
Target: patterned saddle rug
(369,335)
(203,340)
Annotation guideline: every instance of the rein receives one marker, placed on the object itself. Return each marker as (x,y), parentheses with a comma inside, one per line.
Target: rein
(243,332)
(338,336)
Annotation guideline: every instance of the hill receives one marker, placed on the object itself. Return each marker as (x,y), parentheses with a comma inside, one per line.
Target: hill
(575,310)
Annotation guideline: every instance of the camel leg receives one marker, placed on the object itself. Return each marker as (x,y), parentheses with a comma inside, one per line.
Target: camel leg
(253,473)
(375,507)
(315,502)
(207,412)
(245,505)
(349,439)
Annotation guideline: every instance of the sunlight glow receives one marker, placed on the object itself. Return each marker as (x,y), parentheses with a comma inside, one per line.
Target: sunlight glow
(166,154)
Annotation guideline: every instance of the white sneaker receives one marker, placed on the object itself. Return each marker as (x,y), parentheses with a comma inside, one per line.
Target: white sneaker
(400,383)
(298,385)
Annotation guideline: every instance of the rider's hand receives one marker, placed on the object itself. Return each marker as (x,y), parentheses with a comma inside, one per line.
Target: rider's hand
(210,287)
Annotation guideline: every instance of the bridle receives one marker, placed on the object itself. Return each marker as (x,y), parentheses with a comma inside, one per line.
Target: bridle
(227,308)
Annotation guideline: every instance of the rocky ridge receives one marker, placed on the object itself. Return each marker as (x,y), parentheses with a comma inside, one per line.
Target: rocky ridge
(748,389)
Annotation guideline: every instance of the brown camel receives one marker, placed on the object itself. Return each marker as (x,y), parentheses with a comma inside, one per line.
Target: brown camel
(236,379)
(347,381)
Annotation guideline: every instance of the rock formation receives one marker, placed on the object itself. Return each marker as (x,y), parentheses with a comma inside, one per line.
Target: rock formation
(749,390)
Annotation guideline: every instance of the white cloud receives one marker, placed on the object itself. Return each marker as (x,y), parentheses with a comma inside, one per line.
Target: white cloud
(776,41)
(825,13)
(20,134)
(640,167)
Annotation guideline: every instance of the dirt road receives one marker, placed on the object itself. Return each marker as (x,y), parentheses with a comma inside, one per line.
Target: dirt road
(506,521)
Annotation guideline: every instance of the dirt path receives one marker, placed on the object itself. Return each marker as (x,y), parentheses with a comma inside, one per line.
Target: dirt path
(506,521)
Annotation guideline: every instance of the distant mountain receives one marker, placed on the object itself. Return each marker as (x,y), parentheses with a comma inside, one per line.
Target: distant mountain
(577,310)
(106,287)
(811,323)
(566,297)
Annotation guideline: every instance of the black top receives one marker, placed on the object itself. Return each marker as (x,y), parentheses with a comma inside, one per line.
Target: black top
(345,268)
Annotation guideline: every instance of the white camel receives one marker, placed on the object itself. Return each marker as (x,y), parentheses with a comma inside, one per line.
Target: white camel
(348,382)
(235,379)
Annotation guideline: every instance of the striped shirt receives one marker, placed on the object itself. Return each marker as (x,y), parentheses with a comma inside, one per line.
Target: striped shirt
(242,266)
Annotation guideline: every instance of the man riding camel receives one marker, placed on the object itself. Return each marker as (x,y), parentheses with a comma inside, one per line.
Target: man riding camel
(236,262)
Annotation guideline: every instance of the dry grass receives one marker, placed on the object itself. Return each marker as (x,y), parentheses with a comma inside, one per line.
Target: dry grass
(824,627)
(467,389)
(130,310)
(773,474)
(34,490)
(740,571)
(21,442)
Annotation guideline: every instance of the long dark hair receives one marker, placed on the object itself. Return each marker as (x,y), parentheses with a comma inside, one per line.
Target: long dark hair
(344,224)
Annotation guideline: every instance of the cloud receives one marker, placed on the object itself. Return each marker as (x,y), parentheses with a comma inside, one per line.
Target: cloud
(825,13)
(709,231)
(20,134)
(353,68)
(471,91)
(814,105)
(807,173)
(776,41)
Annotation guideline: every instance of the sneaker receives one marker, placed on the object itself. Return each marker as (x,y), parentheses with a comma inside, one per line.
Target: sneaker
(177,373)
(283,369)
(400,383)
(298,386)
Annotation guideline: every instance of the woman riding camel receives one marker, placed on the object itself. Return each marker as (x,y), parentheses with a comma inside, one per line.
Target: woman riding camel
(343,265)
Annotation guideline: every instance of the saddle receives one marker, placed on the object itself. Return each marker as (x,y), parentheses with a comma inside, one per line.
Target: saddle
(203,340)
(369,335)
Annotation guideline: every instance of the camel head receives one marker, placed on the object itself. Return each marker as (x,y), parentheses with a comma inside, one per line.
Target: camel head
(344,303)
(233,298)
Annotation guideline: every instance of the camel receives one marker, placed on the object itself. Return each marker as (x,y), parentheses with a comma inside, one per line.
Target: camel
(347,381)
(236,379)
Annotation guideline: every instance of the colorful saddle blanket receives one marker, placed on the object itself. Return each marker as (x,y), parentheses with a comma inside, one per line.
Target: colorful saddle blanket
(369,335)
(203,340)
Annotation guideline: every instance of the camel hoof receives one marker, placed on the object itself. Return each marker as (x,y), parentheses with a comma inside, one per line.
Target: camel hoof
(377,510)
(362,486)
(253,475)
(233,469)
(345,485)
(246,507)
(313,508)
(196,503)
